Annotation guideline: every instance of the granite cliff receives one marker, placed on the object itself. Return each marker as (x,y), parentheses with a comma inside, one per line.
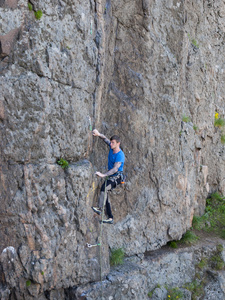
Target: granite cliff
(150,71)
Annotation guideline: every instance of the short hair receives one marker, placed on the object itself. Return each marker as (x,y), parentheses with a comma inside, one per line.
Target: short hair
(116,138)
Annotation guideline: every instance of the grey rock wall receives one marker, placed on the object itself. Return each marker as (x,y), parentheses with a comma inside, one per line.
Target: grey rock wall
(133,68)
(151,276)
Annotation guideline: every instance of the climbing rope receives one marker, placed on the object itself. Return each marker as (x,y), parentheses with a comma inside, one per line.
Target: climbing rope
(101,237)
(100,241)
(91,28)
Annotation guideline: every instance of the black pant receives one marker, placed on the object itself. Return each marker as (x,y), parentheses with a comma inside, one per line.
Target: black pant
(110,184)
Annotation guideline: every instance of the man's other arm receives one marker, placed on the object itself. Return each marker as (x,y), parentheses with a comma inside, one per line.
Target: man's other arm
(110,172)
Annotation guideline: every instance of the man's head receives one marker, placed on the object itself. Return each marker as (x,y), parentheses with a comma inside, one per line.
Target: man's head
(115,142)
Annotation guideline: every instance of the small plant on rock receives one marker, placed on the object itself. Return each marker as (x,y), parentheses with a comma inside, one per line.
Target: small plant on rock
(180,133)
(189,238)
(217,262)
(63,163)
(185,119)
(38,14)
(223,138)
(213,219)
(219,122)
(216,115)
(194,43)
(198,222)
(174,294)
(30,6)
(173,244)
(28,283)
(195,128)
(202,264)
(117,256)
(196,288)
(150,294)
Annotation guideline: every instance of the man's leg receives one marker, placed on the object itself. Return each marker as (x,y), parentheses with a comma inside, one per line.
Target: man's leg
(108,209)
(107,185)
(114,181)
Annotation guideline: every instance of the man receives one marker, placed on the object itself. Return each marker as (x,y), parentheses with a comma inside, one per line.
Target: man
(114,175)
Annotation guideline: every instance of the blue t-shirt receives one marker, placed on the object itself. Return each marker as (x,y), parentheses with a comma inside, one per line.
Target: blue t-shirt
(117,157)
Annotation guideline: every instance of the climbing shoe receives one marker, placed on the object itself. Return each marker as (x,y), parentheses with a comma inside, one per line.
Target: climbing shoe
(108,221)
(97,210)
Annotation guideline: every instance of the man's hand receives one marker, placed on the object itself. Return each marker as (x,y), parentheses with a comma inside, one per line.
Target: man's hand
(100,174)
(96,132)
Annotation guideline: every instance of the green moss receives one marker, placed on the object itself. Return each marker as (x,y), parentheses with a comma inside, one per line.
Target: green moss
(63,163)
(28,283)
(150,294)
(217,262)
(222,234)
(219,248)
(202,264)
(216,196)
(195,128)
(30,6)
(198,223)
(174,293)
(117,257)
(189,238)
(185,119)
(223,138)
(38,14)
(173,244)
(213,219)
(180,133)
(196,288)
(194,43)
(219,122)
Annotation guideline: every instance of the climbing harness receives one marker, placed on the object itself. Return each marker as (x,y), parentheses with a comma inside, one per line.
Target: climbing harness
(123,179)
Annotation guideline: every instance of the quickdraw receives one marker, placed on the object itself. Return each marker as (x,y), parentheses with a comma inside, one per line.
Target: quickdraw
(90,125)
(90,245)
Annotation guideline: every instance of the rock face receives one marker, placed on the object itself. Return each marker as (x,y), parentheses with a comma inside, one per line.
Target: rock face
(134,68)
(190,270)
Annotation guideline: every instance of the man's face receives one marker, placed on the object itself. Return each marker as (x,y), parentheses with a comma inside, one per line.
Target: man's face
(114,144)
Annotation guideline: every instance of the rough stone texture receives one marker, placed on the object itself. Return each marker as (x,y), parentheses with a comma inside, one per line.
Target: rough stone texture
(158,270)
(158,75)
(135,67)
(49,230)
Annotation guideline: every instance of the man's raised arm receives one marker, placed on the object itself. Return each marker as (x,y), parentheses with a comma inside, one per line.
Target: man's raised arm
(97,133)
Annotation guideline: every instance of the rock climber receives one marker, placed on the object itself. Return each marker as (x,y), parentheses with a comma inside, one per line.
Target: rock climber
(114,175)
